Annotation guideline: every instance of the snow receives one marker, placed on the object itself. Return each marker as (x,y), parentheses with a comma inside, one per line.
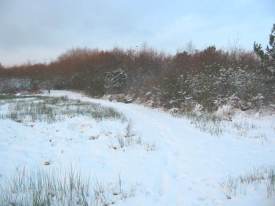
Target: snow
(183,165)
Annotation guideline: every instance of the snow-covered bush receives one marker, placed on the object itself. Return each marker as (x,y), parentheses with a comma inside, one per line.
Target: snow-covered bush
(14,84)
(208,77)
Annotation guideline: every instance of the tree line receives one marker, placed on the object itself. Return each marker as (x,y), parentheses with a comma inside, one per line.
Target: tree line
(209,77)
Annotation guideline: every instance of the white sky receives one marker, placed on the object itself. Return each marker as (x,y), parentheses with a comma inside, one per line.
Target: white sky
(39,30)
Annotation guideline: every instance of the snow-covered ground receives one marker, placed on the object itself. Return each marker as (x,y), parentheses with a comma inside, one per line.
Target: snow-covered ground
(168,160)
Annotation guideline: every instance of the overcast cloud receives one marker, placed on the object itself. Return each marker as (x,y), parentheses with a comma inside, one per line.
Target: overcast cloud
(39,30)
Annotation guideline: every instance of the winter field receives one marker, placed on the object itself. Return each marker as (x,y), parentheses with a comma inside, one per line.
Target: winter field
(64,148)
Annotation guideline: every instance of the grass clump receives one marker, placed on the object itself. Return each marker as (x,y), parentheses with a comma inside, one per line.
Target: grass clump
(265,178)
(68,189)
(52,109)
(204,121)
(11,96)
(129,138)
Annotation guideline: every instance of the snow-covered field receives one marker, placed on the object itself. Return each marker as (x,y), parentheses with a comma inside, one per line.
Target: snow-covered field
(154,157)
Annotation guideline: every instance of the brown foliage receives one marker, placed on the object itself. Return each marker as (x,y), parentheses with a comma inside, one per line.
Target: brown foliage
(173,77)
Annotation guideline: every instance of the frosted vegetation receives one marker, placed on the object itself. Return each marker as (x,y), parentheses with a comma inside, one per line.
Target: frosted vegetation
(55,188)
(52,109)
(64,148)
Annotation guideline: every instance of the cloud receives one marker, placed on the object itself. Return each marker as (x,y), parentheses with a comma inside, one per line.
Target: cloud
(33,28)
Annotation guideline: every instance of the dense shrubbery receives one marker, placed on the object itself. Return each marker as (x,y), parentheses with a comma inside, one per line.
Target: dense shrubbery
(209,77)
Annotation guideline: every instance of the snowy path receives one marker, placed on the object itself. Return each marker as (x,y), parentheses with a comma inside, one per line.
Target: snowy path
(186,167)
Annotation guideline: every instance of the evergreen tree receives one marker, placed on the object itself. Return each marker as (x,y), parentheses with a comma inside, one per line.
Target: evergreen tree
(260,53)
(271,48)
(267,57)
